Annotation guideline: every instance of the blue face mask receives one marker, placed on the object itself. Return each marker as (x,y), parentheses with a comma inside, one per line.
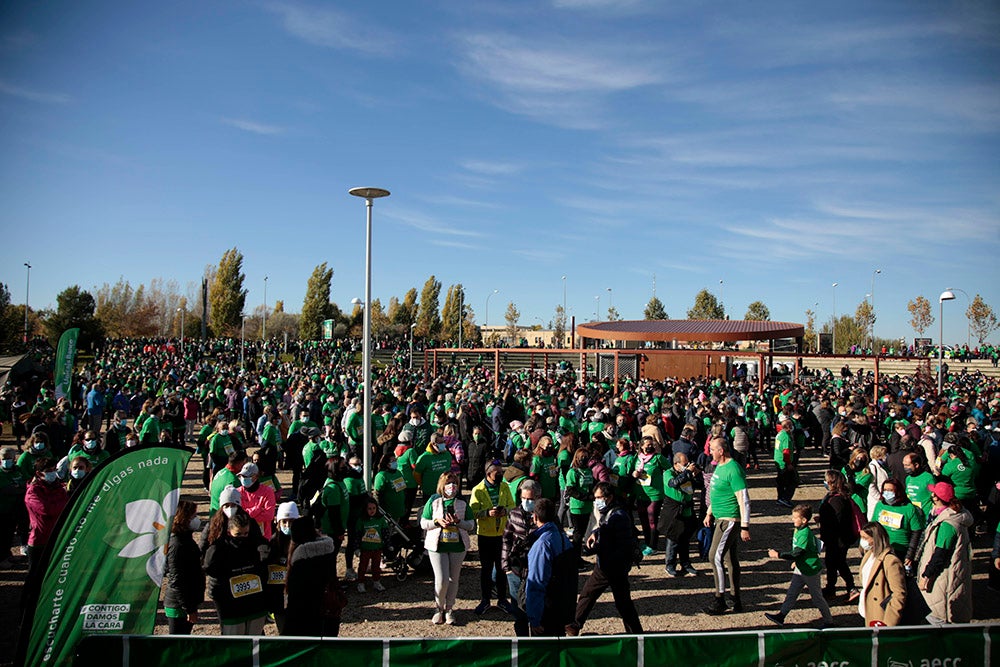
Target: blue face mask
(528,505)
(393,465)
(285,530)
(51,477)
(246,481)
(600,504)
(8,464)
(80,473)
(889,496)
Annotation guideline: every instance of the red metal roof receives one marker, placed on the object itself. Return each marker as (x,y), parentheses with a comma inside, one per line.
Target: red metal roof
(690,330)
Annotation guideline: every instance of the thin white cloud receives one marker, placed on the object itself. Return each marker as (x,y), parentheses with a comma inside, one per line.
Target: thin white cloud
(559,82)
(330,28)
(429,224)
(34,95)
(253,126)
(455,244)
(491,168)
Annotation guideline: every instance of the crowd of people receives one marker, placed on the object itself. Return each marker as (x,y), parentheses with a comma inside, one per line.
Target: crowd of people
(536,472)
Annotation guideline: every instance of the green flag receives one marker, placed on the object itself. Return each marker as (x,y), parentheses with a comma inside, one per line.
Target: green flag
(65,358)
(104,564)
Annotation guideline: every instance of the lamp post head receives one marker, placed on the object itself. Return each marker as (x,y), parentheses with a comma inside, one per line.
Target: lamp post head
(878,270)
(413,326)
(946,295)
(357,302)
(834,285)
(368,193)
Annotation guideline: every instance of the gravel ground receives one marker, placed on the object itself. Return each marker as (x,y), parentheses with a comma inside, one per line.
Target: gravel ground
(664,604)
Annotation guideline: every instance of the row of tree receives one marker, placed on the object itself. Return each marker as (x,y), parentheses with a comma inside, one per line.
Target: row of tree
(159,309)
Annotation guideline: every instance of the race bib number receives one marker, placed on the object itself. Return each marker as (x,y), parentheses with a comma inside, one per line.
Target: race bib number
(399,484)
(645,479)
(614,479)
(890,519)
(687,488)
(553,470)
(244,584)
(276,574)
(229,448)
(371,535)
(449,534)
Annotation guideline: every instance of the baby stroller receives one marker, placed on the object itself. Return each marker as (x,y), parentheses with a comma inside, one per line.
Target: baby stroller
(403,548)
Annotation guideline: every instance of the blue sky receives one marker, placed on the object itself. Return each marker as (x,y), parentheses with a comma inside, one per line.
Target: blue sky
(778,147)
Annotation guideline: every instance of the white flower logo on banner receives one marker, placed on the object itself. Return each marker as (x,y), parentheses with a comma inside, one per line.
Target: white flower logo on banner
(150,521)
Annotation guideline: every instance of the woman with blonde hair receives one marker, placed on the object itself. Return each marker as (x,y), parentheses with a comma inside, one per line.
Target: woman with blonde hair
(883,579)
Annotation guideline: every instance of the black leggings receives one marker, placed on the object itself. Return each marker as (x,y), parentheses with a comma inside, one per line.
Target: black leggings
(836,564)
(489,561)
(579,522)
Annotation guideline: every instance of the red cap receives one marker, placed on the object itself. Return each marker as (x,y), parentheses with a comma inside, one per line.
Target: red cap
(943,490)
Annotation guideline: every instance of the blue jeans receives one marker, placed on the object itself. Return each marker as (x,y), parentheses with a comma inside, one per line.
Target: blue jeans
(520,617)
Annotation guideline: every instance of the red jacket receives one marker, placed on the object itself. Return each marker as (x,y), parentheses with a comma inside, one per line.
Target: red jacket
(261,505)
(45,502)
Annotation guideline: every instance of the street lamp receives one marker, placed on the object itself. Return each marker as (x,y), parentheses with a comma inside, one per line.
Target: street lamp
(496,291)
(27,283)
(597,308)
(263,325)
(564,295)
(368,194)
(874,273)
(243,332)
(412,327)
(834,336)
(722,297)
(968,327)
(181,311)
(461,307)
(946,295)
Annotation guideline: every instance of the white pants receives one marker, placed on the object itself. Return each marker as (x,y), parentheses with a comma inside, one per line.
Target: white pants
(253,627)
(447,568)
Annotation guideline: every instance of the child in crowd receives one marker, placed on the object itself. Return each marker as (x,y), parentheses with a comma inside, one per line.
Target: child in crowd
(806,569)
(371,527)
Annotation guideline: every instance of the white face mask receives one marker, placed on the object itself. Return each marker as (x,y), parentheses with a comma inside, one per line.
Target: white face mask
(865,544)
(131,443)
(600,504)
(450,490)
(229,511)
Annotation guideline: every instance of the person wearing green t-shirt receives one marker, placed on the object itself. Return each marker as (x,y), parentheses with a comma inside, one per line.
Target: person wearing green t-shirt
(902,520)
(729,506)
(648,485)
(150,432)
(372,529)
(805,572)
(960,468)
(917,481)
(545,468)
(390,487)
(431,464)
(579,489)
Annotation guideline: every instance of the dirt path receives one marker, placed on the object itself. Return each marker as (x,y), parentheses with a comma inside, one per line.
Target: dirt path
(664,604)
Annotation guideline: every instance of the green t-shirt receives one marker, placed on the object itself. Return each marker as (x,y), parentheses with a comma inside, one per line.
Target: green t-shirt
(946,536)
(727,479)
(406,461)
(150,433)
(431,466)
(808,559)
(621,475)
(546,471)
(900,521)
(334,499)
(918,493)
(389,486)
(581,479)
(783,452)
(371,529)
(684,494)
(962,476)
(223,478)
(451,538)
(649,484)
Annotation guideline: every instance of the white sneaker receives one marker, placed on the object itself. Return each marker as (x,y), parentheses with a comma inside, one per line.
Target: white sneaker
(379,587)
(449,618)
(361,588)
(350,575)
(438,618)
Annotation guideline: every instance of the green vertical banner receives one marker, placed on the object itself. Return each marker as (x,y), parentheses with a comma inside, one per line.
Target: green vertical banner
(104,565)
(65,358)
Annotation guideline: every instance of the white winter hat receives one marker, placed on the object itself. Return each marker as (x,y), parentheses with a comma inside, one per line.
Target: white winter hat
(288,510)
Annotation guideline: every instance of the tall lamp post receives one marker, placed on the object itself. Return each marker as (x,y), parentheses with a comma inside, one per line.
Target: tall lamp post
(496,291)
(263,325)
(946,295)
(874,273)
(722,297)
(27,283)
(412,327)
(597,308)
(968,327)
(181,311)
(243,333)
(564,295)
(461,315)
(834,337)
(368,194)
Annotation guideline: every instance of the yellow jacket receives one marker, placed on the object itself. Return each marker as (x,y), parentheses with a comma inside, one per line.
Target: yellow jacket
(480,503)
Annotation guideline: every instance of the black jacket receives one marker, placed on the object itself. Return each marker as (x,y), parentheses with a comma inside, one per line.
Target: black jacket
(236,578)
(836,521)
(615,541)
(183,580)
(312,570)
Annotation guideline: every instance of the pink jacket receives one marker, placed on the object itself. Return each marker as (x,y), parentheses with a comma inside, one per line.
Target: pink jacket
(45,502)
(261,505)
